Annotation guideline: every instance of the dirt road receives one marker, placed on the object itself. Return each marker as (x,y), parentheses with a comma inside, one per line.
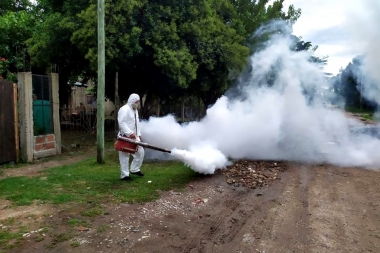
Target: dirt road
(310,208)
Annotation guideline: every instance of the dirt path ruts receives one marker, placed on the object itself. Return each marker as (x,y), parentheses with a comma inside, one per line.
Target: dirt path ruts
(38,166)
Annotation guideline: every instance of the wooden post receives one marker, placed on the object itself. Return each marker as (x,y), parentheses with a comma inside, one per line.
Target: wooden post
(15,111)
(101,84)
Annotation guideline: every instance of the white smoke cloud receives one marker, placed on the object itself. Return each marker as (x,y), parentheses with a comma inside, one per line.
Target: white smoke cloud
(203,158)
(364,26)
(288,120)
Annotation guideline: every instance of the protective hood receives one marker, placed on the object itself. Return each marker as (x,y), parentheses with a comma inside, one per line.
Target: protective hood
(132,99)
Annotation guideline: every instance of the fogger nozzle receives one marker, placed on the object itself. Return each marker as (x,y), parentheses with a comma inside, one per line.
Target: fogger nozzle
(143,144)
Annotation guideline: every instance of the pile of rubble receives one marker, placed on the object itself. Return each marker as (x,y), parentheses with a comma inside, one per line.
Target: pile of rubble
(254,174)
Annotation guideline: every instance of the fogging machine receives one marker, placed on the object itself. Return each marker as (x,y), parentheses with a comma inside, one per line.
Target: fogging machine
(130,145)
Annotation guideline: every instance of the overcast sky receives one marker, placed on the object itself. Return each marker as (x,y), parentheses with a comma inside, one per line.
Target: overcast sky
(328,23)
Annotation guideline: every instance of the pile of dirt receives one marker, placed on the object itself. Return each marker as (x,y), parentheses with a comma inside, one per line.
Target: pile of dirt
(254,174)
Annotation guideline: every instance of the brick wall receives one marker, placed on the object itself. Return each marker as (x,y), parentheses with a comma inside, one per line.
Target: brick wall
(44,145)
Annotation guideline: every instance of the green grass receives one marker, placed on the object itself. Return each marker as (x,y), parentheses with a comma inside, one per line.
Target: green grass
(39,238)
(57,238)
(9,240)
(367,116)
(92,212)
(358,110)
(90,182)
(76,223)
(103,228)
(89,185)
(75,244)
(11,237)
(364,113)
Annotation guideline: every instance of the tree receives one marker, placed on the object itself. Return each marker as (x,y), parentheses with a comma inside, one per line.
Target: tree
(348,84)
(252,14)
(15,29)
(163,45)
(50,45)
(14,6)
(161,49)
(300,45)
(258,22)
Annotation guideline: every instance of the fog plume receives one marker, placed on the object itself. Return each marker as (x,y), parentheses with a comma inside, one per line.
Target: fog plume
(364,26)
(281,113)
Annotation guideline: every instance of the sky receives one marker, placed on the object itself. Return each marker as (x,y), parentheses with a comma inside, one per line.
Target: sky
(327,23)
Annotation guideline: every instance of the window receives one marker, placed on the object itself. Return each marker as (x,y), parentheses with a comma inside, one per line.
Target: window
(89,99)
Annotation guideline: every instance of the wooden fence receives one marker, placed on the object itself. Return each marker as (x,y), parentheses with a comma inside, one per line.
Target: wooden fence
(9,140)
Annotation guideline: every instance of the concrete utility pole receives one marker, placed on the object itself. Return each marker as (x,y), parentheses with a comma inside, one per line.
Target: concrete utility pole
(101,84)
(117,101)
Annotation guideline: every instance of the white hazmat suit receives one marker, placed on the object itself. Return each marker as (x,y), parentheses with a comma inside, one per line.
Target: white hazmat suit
(128,119)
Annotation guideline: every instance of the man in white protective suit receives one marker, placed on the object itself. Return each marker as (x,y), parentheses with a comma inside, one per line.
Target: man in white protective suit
(128,119)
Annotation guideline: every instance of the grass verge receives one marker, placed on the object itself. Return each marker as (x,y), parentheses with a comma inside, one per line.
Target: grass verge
(364,113)
(88,181)
(87,184)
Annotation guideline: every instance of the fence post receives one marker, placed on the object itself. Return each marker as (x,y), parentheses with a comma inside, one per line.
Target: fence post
(15,111)
(54,81)
(26,115)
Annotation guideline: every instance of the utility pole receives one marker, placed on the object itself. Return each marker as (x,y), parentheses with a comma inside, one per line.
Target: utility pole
(183,110)
(117,101)
(101,84)
(361,92)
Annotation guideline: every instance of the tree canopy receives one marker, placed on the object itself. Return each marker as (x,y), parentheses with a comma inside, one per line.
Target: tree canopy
(15,29)
(350,87)
(163,49)
(14,6)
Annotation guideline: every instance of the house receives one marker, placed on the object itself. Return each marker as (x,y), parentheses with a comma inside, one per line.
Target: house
(82,100)
(81,107)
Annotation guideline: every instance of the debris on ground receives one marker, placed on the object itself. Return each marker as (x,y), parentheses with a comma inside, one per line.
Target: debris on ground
(253,174)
